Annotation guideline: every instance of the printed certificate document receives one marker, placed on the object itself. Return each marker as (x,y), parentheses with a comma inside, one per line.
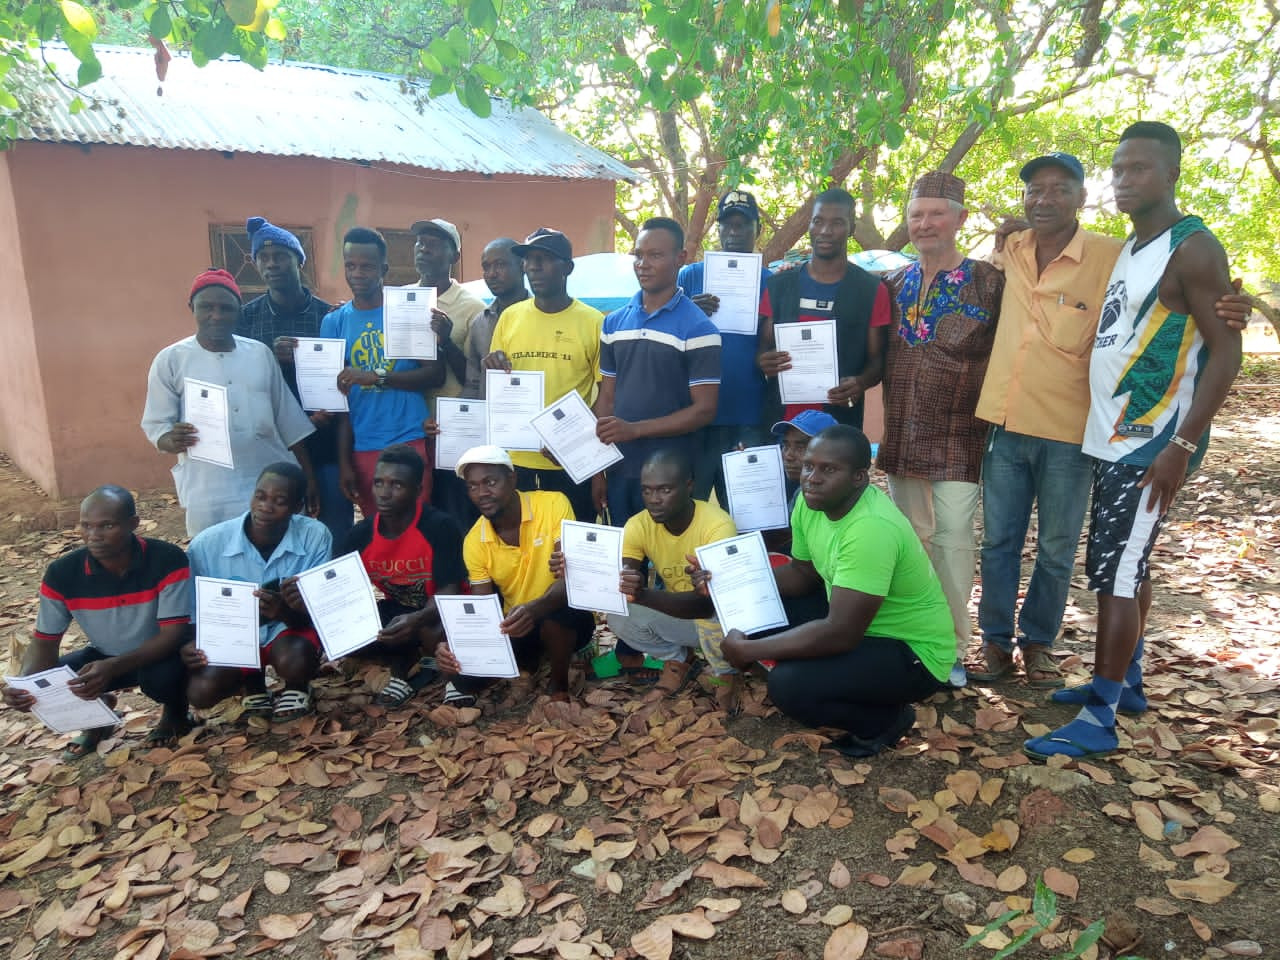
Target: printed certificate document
(343,609)
(463,425)
(317,363)
(204,406)
(735,279)
(812,345)
(406,323)
(742,585)
(757,488)
(475,637)
(568,430)
(57,707)
(592,566)
(227,622)
(512,400)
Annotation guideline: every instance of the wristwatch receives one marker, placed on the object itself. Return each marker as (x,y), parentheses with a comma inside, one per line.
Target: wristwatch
(382,382)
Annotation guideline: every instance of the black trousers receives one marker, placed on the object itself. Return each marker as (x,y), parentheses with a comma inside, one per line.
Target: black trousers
(861,691)
(579,494)
(164,681)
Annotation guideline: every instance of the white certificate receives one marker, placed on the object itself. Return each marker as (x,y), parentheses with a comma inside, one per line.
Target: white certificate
(343,609)
(57,707)
(742,585)
(204,406)
(512,401)
(472,625)
(568,430)
(462,426)
(317,363)
(227,622)
(592,566)
(735,279)
(406,323)
(812,345)
(757,489)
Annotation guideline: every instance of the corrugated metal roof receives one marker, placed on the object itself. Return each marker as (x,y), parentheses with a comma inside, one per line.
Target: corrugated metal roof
(295,109)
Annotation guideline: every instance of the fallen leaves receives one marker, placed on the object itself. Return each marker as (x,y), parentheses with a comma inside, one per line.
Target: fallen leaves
(848,942)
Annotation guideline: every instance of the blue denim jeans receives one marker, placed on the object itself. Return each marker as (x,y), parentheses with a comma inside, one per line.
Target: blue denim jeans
(336,511)
(1017,472)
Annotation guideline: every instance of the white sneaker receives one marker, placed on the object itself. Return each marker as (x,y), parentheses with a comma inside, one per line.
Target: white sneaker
(958,679)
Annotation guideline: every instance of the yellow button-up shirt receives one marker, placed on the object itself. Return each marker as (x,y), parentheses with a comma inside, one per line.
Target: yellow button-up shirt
(1037,381)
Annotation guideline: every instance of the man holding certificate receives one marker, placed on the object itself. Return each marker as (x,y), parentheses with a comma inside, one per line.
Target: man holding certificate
(738,410)
(827,288)
(412,552)
(559,336)
(668,620)
(508,552)
(384,396)
(131,598)
(886,641)
(220,403)
(264,546)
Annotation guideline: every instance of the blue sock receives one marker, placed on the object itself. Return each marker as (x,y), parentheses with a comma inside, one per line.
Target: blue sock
(1091,733)
(1133,675)
(1101,708)
(1132,698)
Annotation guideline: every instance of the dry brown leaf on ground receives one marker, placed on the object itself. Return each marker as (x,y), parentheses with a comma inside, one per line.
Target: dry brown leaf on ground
(725,877)
(917,876)
(1206,888)
(1079,855)
(276,882)
(1062,883)
(1158,906)
(793,901)
(839,876)
(654,942)
(847,943)
(1208,839)
(695,925)
(282,926)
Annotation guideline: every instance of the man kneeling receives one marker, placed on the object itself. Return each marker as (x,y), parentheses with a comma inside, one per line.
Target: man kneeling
(887,641)
(268,545)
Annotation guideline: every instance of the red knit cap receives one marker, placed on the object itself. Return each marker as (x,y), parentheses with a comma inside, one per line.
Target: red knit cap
(214,278)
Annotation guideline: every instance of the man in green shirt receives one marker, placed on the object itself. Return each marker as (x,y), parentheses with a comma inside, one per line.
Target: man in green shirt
(887,640)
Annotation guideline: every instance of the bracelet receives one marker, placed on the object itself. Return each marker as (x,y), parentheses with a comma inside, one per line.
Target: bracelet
(1185,444)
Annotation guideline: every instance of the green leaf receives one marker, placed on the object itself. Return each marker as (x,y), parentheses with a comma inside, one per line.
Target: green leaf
(476,97)
(276,30)
(482,16)
(1088,937)
(79,19)
(90,70)
(161,25)
(241,12)
(9,102)
(490,74)
(1017,943)
(441,84)
(1044,905)
(444,54)
(894,135)
(429,63)
(992,927)
(689,87)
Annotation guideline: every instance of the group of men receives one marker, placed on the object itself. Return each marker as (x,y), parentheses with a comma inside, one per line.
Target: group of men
(1081,368)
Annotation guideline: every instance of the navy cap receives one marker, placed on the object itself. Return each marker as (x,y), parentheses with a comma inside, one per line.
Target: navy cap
(1064,160)
(550,241)
(738,201)
(809,422)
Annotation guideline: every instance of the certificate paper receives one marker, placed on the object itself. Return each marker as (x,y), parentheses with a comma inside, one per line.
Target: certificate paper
(343,610)
(406,323)
(742,585)
(757,488)
(317,363)
(512,400)
(812,345)
(471,624)
(462,426)
(57,707)
(735,279)
(592,566)
(204,406)
(568,430)
(227,622)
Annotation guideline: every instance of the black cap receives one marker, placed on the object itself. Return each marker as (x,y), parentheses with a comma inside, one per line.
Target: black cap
(1064,160)
(738,201)
(550,241)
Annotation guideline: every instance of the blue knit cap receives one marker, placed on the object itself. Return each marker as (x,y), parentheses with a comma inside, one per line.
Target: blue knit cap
(263,234)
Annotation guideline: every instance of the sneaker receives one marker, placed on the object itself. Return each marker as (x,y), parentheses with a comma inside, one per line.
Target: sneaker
(958,679)
(453,697)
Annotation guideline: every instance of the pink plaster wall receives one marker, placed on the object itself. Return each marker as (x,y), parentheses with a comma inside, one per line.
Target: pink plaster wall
(112,236)
(24,433)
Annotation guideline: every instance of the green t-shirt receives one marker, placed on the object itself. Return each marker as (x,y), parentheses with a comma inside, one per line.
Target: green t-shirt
(872,549)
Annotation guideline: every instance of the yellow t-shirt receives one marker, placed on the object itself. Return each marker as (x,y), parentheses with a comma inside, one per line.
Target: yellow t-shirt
(642,538)
(522,573)
(565,346)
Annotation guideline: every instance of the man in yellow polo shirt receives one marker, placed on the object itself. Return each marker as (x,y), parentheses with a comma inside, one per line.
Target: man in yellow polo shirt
(508,552)
(559,336)
(668,619)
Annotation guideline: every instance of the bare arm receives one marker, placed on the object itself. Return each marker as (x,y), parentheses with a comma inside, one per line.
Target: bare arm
(700,412)
(685,605)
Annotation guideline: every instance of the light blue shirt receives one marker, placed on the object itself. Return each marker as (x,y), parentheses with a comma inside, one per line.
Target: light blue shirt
(224,551)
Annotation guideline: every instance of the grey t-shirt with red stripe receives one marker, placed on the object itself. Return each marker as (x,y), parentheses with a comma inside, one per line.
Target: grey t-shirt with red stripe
(116,614)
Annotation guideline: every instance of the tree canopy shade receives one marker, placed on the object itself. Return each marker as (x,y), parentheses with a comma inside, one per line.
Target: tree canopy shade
(786,97)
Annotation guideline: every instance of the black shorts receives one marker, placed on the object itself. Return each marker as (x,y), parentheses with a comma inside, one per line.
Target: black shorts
(1122,530)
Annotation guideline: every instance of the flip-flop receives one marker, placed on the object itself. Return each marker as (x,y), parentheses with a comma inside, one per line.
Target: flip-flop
(292,704)
(256,705)
(396,693)
(84,744)
(1080,752)
(640,676)
(1043,672)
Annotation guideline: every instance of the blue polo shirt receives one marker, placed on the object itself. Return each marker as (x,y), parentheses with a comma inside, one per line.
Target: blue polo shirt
(741,382)
(379,417)
(655,358)
(224,551)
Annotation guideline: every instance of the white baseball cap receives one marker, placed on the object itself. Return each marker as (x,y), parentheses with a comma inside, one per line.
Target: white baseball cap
(485,453)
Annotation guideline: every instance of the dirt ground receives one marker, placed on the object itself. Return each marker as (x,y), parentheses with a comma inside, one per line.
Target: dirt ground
(622,828)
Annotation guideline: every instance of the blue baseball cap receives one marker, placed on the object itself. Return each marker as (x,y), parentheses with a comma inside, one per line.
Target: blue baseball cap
(809,422)
(1064,160)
